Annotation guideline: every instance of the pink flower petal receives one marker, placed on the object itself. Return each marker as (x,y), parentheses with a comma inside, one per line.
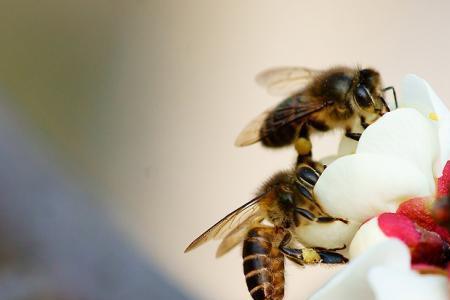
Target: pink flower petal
(401,227)
(426,247)
(444,180)
(419,211)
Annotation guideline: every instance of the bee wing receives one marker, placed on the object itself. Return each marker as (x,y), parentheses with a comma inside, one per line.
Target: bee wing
(251,133)
(237,235)
(285,115)
(285,81)
(230,222)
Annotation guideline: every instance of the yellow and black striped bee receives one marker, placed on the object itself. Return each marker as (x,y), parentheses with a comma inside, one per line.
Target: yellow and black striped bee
(317,101)
(281,203)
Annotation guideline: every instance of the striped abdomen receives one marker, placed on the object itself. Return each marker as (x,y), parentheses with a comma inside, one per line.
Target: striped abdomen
(263,265)
(276,130)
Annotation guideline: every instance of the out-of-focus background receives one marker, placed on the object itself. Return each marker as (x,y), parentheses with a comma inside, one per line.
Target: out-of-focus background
(118,120)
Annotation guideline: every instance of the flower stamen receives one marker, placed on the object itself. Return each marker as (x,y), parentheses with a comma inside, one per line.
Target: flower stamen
(433,116)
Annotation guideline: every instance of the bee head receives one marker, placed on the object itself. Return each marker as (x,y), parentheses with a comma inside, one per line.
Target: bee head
(367,92)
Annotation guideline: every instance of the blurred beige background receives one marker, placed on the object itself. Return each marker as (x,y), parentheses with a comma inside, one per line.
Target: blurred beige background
(143,100)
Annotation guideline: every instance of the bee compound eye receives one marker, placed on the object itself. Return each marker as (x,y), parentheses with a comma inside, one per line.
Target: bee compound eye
(362,97)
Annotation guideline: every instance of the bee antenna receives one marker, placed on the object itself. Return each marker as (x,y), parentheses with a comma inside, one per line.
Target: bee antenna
(393,92)
(385,104)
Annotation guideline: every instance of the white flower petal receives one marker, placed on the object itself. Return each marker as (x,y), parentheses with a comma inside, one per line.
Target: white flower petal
(347,146)
(418,94)
(415,94)
(352,281)
(328,159)
(360,186)
(326,235)
(444,144)
(367,236)
(391,283)
(403,134)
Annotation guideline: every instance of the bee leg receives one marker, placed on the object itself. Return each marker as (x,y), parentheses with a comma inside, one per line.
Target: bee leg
(353,135)
(331,257)
(306,179)
(307,175)
(303,145)
(322,219)
(309,256)
(305,191)
(331,249)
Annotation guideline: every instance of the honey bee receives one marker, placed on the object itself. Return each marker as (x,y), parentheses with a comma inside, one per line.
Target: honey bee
(317,101)
(282,203)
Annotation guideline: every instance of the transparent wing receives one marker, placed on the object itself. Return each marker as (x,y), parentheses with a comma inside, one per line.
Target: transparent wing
(252,132)
(270,121)
(285,81)
(231,222)
(237,235)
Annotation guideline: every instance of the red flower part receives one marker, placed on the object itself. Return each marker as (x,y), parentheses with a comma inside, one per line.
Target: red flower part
(444,180)
(430,250)
(426,247)
(427,269)
(396,225)
(419,211)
